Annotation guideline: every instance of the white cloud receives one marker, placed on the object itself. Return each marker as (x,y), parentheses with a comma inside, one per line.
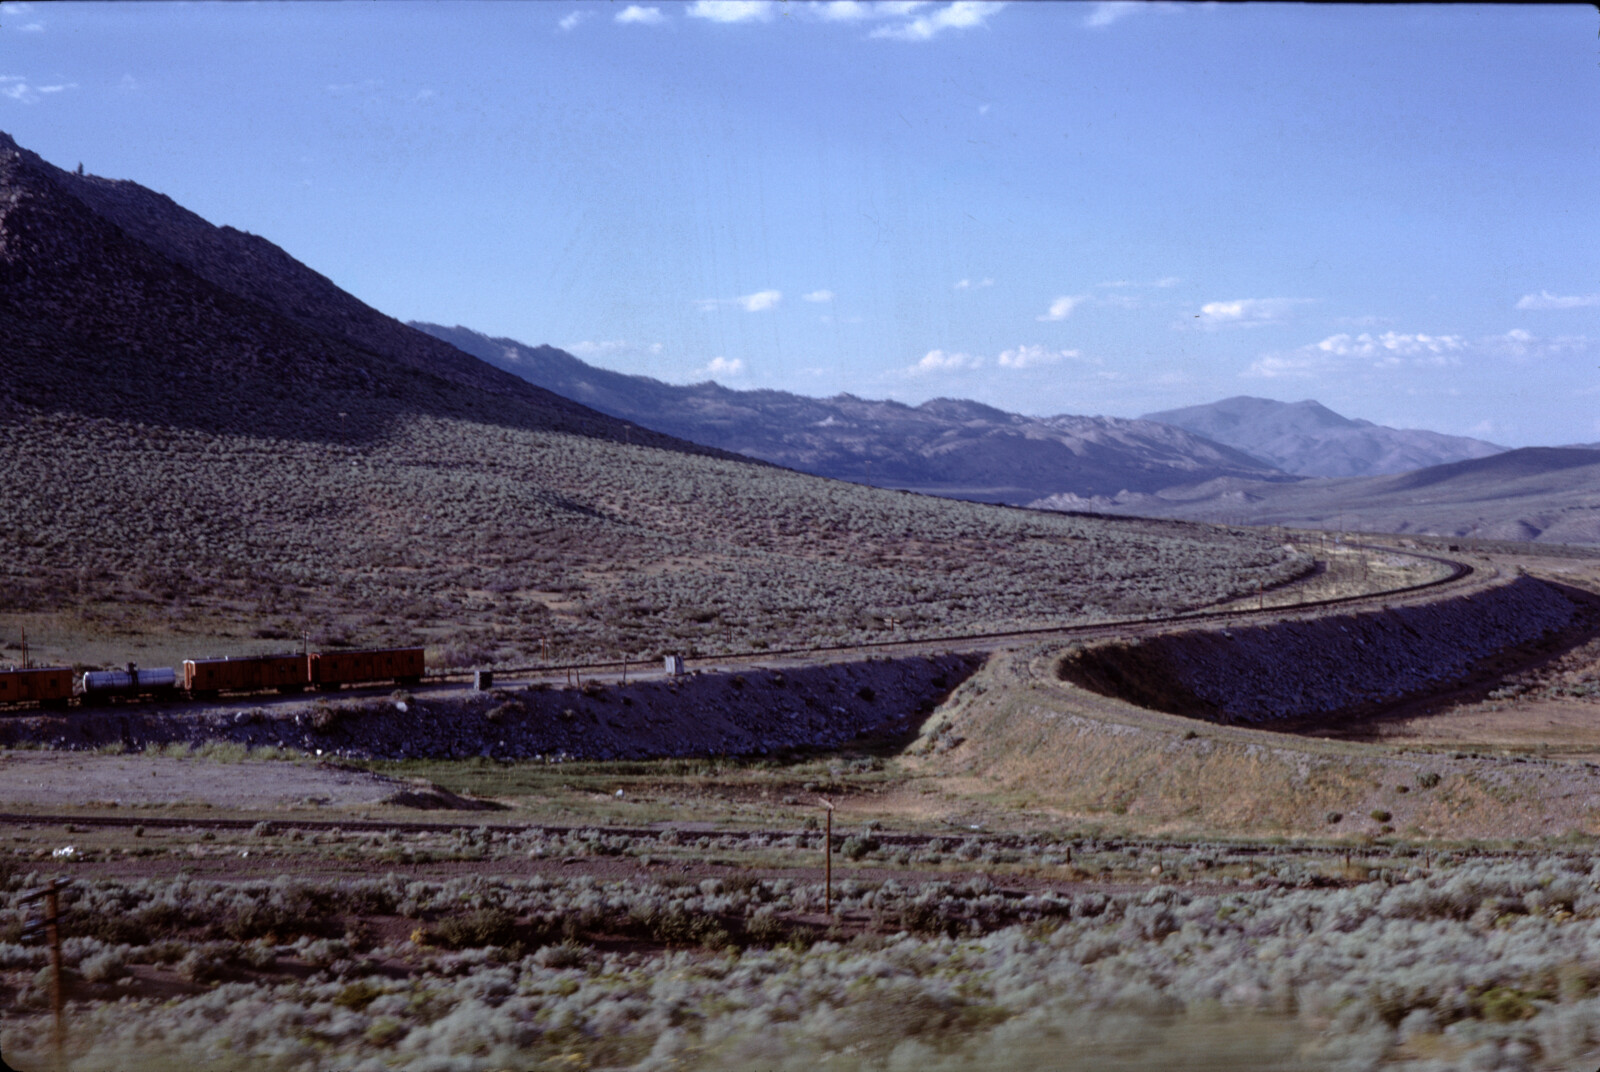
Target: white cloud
(939,361)
(960,15)
(20,10)
(970,284)
(1391,345)
(1024,356)
(1520,343)
(857,11)
(1108,11)
(843,11)
(1033,356)
(731,10)
(17,88)
(759,302)
(1247,312)
(1390,351)
(613,347)
(818,296)
(1062,307)
(722,366)
(1164,281)
(1546,300)
(643,16)
(129,84)
(570,21)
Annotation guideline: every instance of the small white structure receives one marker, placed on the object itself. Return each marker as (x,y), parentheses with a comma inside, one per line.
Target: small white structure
(673,665)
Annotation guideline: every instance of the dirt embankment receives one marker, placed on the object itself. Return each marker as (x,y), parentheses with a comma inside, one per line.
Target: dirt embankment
(1340,665)
(750,713)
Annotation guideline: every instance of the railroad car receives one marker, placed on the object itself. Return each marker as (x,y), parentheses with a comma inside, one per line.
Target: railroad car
(331,669)
(49,686)
(249,673)
(103,685)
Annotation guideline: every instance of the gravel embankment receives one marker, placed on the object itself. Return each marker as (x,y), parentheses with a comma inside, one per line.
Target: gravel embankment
(750,713)
(1328,665)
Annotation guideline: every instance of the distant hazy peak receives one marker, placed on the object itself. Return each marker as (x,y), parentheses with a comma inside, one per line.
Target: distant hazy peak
(1309,439)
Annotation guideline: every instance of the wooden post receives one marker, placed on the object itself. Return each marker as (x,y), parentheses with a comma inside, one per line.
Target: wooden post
(827,862)
(51,895)
(624,669)
(52,922)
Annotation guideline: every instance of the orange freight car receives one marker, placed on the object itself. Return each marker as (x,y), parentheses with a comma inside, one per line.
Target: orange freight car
(250,673)
(48,685)
(330,669)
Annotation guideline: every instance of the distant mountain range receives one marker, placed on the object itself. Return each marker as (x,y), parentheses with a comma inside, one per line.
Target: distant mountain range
(1549,494)
(1308,439)
(946,447)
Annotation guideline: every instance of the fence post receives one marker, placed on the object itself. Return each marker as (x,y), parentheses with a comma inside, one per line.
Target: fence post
(827,862)
(51,895)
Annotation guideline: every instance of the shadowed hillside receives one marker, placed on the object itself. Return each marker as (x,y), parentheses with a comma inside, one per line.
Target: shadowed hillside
(116,302)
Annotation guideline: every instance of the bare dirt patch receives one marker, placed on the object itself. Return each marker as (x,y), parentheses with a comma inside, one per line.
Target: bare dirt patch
(66,780)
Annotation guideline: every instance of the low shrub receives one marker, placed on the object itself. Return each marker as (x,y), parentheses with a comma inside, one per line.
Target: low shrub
(471,930)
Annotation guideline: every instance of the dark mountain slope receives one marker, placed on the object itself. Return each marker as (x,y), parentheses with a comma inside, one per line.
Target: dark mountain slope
(945,447)
(1309,439)
(145,311)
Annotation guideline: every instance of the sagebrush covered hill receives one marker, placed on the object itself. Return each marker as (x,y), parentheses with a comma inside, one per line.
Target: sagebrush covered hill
(205,441)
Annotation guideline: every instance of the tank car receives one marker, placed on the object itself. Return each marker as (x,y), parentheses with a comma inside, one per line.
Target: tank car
(100,686)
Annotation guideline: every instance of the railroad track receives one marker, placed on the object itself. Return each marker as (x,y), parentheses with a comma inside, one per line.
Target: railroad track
(1458,572)
(948,642)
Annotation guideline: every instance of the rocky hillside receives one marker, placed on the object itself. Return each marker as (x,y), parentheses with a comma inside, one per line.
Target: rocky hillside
(1308,439)
(944,447)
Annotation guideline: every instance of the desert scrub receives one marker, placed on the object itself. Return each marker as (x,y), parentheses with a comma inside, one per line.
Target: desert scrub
(1492,957)
(609,546)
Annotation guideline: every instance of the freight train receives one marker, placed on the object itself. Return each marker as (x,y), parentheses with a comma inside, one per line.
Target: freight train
(201,679)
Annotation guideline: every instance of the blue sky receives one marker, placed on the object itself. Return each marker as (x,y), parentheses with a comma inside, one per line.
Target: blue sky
(1053,208)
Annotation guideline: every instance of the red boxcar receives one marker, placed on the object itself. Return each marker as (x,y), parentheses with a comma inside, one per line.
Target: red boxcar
(250,673)
(50,685)
(330,669)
